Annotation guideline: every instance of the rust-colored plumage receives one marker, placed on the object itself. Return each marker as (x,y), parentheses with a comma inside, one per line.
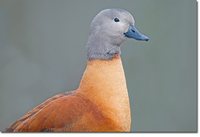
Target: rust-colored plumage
(100,104)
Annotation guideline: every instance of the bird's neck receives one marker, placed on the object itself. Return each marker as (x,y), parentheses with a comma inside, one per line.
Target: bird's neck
(104,83)
(103,48)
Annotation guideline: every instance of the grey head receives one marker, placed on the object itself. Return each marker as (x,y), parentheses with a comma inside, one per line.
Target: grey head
(108,30)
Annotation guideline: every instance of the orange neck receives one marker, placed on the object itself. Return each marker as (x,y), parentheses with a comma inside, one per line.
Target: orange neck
(104,83)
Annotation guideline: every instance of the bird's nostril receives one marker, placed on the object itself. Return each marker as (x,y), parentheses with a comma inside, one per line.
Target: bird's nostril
(133,30)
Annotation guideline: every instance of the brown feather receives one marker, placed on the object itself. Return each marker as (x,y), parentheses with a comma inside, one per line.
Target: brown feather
(100,104)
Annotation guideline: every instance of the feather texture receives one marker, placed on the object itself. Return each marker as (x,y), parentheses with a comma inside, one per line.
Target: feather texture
(100,104)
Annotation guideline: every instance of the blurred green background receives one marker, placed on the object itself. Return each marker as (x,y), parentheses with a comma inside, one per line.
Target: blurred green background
(43,52)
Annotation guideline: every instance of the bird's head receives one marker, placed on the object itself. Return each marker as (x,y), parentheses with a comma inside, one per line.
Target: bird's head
(108,30)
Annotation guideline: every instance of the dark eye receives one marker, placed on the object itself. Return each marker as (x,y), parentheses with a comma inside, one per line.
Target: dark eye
(116,19)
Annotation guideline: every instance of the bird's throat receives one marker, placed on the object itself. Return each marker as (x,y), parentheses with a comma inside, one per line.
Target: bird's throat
(100,48)
(104,83)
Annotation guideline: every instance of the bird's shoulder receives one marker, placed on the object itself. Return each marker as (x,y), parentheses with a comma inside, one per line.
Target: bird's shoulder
(68,111)
(63,108)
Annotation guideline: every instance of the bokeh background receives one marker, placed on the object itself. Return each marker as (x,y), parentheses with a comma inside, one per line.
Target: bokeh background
(42,52)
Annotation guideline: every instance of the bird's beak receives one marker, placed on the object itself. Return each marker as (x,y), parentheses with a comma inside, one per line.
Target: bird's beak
(134,33)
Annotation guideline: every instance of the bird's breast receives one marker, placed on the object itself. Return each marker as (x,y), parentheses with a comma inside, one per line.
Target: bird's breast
(104,84)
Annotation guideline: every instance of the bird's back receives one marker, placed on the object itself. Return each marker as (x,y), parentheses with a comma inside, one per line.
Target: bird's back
(66,112)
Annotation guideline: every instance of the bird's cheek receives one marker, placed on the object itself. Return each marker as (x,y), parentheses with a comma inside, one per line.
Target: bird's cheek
(123,28)
(126,28)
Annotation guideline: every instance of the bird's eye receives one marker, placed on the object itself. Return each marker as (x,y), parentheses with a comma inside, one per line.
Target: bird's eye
(116,19)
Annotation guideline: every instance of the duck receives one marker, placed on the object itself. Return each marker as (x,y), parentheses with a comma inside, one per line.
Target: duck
(101,102)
